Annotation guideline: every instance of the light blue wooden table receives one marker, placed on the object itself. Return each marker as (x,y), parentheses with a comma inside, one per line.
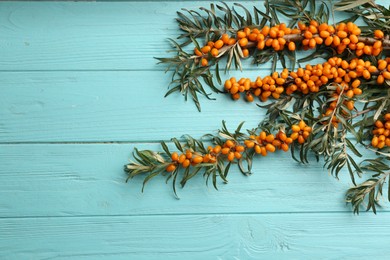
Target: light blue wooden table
(79,90)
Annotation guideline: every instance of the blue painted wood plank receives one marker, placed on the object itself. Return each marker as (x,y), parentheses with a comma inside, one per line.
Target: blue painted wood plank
(109,106)
(82,180)
(271,236)
(110,36)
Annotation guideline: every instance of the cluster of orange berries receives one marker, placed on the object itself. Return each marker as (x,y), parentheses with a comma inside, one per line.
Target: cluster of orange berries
(231,150)
(339,37)
(212,48)
(381,133)
(348,74)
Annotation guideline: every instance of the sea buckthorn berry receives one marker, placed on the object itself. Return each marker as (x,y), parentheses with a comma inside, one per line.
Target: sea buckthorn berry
(379,124)
(218,44)
(329,41)
(225,150)
(224,39)
(243,42)
(214,52)
(206,49)
(308,35)
(257,149)
(386,74)
(182,157)
(377,45)
(204,62)
(379,34)
(170,168)
(186,163)
(295,128)
(237,155)
(240,148)
(353,38)
(270,148)
(188,154)
(230,156)
(217,149)
(245,53)
(382,64)
(175,156)
(198,52)
(197,159)
(232,41)
(241,34)
(342,34)
(229,143)
(249,143)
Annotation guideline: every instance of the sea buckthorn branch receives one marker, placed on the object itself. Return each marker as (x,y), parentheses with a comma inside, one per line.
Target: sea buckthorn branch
(371,188)
(192,157)
(229,35)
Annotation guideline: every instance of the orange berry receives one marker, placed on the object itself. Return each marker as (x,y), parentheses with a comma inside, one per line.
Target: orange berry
(170,168)
(312,43)
(269,138)
(186,163)
(323,27)
(382,64)
(206,49)
(217,149)
(342,34)
(225,150)
(182,157)
(241,34)
(188,154)
(329,41)
(249,143)
(230,156)
(374,141)
(214,52)
(378,124)
(284,147)
(353,38)
(273,33)
(224,38)
(175,156)
(237,155)
(197,159)
(295,128)
(294,135)
(301,139)
(204,62)
(308,35)
(377,45)
(379,34)
(249,97)
(291,46)
(198,52)
(245,52)
(243,42)
(218,44)
(360,45)
(386,75)
(336,40)
(270,148)
(240,148)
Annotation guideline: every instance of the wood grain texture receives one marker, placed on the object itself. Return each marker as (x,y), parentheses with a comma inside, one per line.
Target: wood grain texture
(109,36)
(271,236)
(109,106)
